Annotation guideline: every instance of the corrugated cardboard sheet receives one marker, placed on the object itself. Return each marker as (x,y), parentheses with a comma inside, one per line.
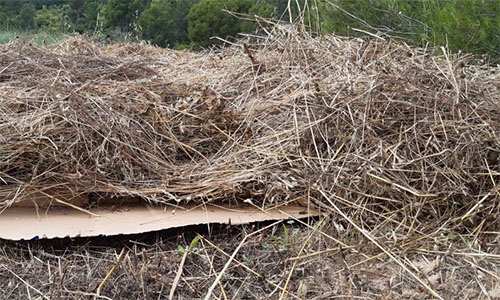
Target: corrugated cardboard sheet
(26,223)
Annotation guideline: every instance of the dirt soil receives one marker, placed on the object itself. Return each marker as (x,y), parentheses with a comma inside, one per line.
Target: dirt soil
(282,261)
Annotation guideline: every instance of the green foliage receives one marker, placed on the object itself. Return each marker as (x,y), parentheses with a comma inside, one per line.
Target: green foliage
(345,15)
(26,17)
(192,246)
(468,25)
(12,6)
(4,20)
(7,36)
(295,8)
(51,19)
(41,38)
(209,18)
(123,14)
(91,17)
(76,11)
(165,22)
(84,14)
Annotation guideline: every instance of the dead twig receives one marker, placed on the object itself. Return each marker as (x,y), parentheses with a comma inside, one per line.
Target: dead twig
(103,283)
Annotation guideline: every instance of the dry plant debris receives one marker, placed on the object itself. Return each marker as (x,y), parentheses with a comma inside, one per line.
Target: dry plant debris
(401,144)
(313,264)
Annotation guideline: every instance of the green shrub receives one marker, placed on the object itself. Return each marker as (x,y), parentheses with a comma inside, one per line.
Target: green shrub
(84,15)
(123,14)
(208,19)
(165,22)
(26,17)
(467,25)
(51,19)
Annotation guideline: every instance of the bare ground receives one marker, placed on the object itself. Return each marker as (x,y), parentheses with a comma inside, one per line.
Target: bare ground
(281,261)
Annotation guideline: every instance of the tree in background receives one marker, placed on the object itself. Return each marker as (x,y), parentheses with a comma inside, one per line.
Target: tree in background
(209,18)
(295,8)
(12,6)
(85,15)
(76,12)
(41,3)
(122,14)
(165,22)
(469,25)
(21,14)
(52,19)
(5,20)
(9,12)
(26,17)
(93,19)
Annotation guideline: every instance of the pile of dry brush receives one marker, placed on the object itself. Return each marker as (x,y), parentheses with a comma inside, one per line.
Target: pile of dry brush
(374,125)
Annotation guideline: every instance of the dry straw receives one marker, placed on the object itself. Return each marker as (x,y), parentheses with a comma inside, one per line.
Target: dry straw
(399,134)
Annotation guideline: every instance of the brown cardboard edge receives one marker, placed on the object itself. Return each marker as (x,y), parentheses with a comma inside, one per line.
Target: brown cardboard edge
(23,223)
